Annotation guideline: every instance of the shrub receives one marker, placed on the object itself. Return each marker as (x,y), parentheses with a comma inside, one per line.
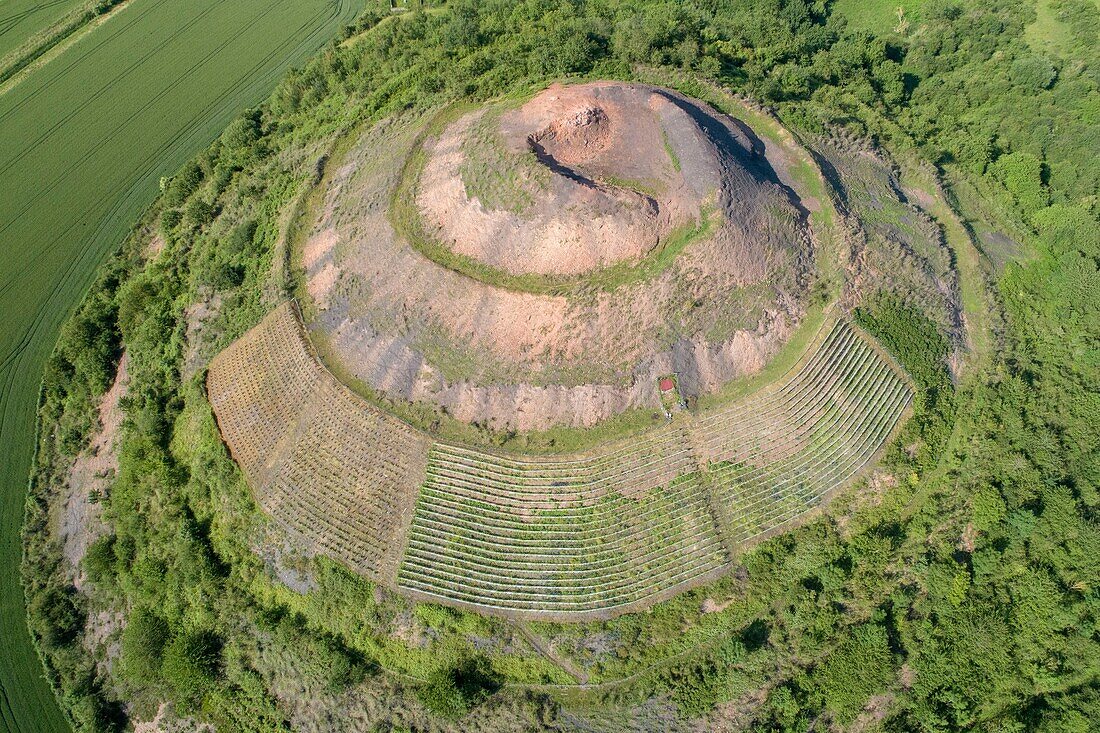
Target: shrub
(859,667)
(183,184)
(199,212)
(451,692)
(191,665)
(143,643)
(99,559)
(56,619)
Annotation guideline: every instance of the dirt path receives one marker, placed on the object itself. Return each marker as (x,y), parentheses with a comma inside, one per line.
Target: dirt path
(547,651)
(93,470)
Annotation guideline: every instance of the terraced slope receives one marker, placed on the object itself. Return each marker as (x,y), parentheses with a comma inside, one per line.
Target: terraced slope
(564,537)
(334,471)
(781,452)
(589,536)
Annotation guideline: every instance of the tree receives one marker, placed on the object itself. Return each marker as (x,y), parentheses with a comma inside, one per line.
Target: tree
(453,691)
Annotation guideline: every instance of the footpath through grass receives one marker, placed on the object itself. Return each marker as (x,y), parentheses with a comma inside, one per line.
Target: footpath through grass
(85,140)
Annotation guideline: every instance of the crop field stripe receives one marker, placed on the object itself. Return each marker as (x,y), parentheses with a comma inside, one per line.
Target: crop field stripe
(148,161)
(499,460)
(542,572)
(876,370)
(249,78)
(507,518)
(771,482)
(792,407)
(561,610)
(797,375)
(839,476)
(446,470)
(797,391)
(20,20)
(561,546)
(521,530)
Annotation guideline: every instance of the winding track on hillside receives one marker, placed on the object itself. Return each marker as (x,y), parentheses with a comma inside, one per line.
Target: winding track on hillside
(86,138)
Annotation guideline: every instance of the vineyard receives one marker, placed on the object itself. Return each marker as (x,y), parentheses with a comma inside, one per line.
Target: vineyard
(561,537)
(334,471)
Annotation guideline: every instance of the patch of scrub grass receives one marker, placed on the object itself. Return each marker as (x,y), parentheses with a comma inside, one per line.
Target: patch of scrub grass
(501,179)
(976,302)
(653,189)
(1048,32)
(881,16)
(675,159)
(457,361)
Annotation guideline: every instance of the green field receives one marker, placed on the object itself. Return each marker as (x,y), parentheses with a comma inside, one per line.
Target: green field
(22,19)
(86,137)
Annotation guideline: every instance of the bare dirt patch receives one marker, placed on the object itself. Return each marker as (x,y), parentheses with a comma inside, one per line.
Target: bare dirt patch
(168,721)
(80,521)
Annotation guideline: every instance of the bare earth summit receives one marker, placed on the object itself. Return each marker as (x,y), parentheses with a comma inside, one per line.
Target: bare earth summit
(611,171)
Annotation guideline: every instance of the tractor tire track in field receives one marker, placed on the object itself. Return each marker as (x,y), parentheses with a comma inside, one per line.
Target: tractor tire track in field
(7,22)
(75,61)
(175,118)
(110,86)
(163,150)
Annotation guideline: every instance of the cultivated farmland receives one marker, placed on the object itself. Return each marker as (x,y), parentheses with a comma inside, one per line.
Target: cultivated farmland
(23,20)
(86,137)
(564,537)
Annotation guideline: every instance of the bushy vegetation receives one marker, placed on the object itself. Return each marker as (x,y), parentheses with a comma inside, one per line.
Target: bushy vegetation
(450,692)
(923,351)
(957,590)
